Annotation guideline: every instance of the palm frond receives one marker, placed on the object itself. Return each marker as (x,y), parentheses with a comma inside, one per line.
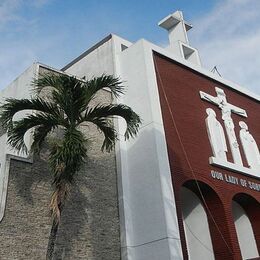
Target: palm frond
(11,106)
(67,91)
(104,81)
(106,127)
(70,153)
(17,130)
(39,136)
(57,81)
(133,121)
(71,100)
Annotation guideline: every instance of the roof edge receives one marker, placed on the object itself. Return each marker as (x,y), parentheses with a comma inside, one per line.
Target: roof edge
(81,56)
(230,84)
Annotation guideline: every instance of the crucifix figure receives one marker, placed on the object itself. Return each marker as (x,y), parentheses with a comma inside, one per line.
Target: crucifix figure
(226,109)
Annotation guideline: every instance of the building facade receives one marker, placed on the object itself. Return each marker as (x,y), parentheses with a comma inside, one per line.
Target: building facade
(188,187)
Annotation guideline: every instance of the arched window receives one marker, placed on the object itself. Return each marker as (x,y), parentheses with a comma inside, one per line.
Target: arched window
(245,232)
(196,227)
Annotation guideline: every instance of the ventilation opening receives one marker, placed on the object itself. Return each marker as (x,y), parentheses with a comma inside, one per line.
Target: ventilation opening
(190,54)
(187,52)
(123,47)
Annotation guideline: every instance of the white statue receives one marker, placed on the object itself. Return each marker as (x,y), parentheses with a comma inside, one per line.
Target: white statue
(227,109)
(216,135)
(230,128)
(249,146)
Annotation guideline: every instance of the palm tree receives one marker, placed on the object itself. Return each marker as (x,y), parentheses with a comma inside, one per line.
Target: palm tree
(67,108)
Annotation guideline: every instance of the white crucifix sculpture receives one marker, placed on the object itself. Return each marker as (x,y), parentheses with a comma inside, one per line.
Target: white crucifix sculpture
(213,128)
(221,101)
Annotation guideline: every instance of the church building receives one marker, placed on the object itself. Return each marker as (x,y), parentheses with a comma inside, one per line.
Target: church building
(187,187)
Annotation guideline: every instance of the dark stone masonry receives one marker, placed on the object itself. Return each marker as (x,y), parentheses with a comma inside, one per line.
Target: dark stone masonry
(89,226)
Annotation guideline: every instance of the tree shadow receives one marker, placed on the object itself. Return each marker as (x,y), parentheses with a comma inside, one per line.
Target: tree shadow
(90,217)
(73,220)
(27,176)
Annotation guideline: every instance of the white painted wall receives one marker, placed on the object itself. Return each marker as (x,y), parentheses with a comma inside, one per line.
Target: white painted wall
(147,206)
(245,233)
(19,88)
(198,239)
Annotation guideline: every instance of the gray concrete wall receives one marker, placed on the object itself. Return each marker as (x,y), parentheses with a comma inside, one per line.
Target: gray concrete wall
(89,226)
(19,88)
(98,61)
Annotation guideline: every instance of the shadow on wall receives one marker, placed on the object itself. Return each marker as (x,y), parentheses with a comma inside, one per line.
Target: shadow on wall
(27,178)
(89,227)
(73,224)
(26,216)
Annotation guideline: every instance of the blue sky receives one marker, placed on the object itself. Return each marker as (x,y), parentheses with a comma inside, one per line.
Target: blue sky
(226,32)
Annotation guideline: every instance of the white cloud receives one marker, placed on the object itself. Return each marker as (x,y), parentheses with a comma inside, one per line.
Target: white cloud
(8,11)
(229,37)
(21,43)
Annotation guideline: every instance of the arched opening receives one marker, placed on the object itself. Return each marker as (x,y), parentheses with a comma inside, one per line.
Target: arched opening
(246,209)
(196,227)
(204,220)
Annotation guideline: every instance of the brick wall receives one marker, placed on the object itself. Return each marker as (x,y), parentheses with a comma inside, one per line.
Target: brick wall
(187,141)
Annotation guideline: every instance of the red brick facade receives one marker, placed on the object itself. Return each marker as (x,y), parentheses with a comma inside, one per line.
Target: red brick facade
(184,114)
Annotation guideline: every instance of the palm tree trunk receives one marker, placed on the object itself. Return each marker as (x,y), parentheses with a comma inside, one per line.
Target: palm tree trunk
(52,239)
(53,235)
